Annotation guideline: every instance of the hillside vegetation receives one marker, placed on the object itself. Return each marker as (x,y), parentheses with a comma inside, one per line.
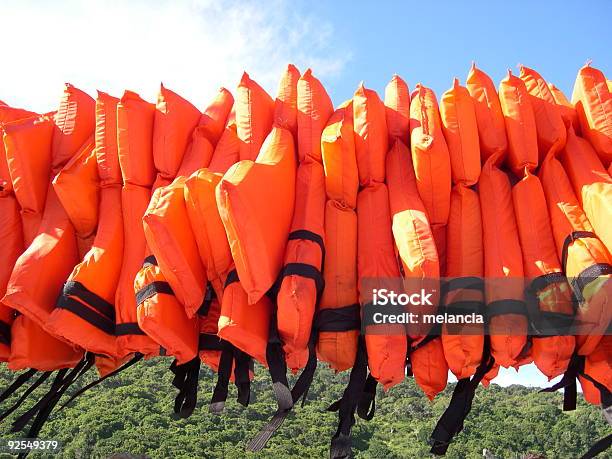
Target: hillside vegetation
(131,414)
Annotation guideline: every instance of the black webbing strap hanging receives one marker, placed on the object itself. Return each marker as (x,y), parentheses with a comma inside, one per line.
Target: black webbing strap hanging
(217,402)
(341,441)
(243,363)
(568,382)
(209,296)
(599,447)
(451,422)
(137,358)
(42,378)
(19,381)
(185,380)
(587,276)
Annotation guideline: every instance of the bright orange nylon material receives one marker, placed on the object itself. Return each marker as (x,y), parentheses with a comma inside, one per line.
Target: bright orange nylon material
(397,110)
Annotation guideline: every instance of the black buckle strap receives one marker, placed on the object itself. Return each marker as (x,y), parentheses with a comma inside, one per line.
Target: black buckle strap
(151,289)
(507,306)
(230,355)
(451,422)
(341,319)
(547,323)
(307,271)
(185,380)
(599,447)
(128,328)
(309,236)
(463,283)
(87,314)
(77,289)
(571,237)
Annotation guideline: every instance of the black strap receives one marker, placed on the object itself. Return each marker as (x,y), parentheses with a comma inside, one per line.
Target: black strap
(309,236)
(5,333)
(19,381)
(346,406)
(598,447)
(74,288)
(568,382)
(451,422)
(209,342)
(42,378)
(128,328)
(220,391)
(185,380)
(507,306)
(341,319)
(307,271)
(464,283)
(151,289)
(571,237)
(547,323)
(232,277)
(209,296)
(243,364)
(587,276)
(137,357)
(87,314)
(366,407)
(464,307)
(149,261)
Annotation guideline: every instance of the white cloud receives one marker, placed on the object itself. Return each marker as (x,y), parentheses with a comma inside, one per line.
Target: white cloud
(192,46)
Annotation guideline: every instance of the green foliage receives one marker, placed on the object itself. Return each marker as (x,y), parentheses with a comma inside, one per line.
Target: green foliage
(131,414)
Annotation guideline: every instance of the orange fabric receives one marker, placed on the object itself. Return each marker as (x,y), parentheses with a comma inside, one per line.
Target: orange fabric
(461,134)
(463,352)
(256,201)
(135,139)
(376,259)
(592,184)
(566,108)
(314,109)
(74,123)
(551,354)
(397,110)
(215,115)
(429,368)
(549,123)
(98,272)
(8,114)
(431,161)
(489,116)
(593,102)
(245,325)
(598,365)
(162,317)
(566,217)
(28,153)
(175,120)
(520,125)
(338,155)
(77,188)
(135,120)
(254,116)
(286,103)
(371,139)
(339,349)
(502,260)
(209,325)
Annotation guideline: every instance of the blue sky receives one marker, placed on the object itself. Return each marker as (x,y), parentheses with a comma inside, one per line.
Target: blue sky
(196,46)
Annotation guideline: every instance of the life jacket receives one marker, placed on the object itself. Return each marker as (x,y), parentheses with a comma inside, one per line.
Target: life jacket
(397,110)
(420,267)
(301,281)
(431,162)
(42,269)
(592,184)
(135,121)
(339,306)
(489,116)
(593,102)
(161,314)
(85,312)
(566,108)
(464,251)
(584,259)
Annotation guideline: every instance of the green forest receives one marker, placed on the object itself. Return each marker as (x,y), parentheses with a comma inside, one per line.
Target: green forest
(129,415)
